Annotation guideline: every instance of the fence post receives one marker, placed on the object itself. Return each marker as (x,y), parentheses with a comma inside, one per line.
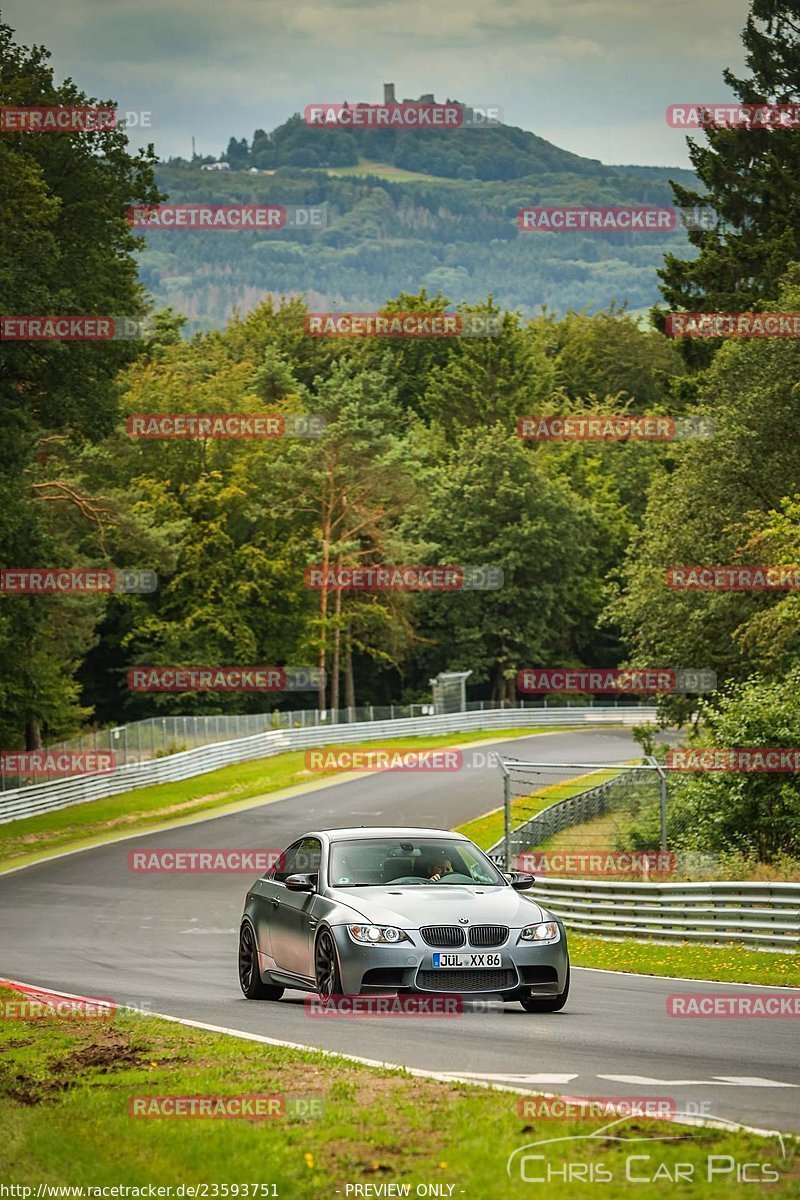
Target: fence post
(662,791)
(507,817)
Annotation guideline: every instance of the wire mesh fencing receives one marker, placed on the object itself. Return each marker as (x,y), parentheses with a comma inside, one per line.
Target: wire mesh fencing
(585,819)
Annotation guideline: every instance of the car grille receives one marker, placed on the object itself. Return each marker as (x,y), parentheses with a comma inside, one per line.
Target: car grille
(445,936)
(466,981)
(488,935)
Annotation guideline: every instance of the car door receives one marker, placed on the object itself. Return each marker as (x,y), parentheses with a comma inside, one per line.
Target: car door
(291,921)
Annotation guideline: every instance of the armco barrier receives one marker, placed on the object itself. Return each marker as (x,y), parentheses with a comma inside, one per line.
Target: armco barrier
(45,797)
(762,915)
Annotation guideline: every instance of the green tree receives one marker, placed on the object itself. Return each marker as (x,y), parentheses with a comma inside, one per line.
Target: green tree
(66,249)
(489,380)
(749,178)
(491,503)
(712,507)
(755,814)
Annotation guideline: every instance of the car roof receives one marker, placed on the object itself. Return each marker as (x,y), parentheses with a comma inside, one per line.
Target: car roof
(387,831)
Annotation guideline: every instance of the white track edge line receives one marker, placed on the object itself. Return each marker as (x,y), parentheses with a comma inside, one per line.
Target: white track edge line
(773,987)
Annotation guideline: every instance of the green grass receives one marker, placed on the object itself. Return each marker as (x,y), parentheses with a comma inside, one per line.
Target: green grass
(729,964)
(66,1086)
(81,825)
(383,171)
(486,830)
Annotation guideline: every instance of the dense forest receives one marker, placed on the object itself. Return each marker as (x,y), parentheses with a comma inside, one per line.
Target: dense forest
(451,226)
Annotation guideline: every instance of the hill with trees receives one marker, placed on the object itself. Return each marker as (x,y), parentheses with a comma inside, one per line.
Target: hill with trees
(407,210)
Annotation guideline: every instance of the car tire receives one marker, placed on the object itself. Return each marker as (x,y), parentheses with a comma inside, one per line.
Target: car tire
(249,977)
(326,966)
(543,1004)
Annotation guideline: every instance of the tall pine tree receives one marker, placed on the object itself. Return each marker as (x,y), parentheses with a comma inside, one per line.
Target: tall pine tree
(751,178)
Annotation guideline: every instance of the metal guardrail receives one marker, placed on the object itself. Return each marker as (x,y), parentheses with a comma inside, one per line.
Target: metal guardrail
(762,915)
(157,737)
(46,797)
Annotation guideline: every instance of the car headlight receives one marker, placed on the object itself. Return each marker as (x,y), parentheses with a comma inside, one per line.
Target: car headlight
(547,931)
(377,934)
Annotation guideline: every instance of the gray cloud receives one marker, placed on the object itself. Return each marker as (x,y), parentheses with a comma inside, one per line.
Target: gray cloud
(593,76)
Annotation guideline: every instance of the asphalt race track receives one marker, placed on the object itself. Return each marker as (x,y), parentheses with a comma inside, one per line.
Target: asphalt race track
(85,924)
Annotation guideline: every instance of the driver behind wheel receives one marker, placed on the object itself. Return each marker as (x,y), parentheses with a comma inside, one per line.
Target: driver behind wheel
(438,868)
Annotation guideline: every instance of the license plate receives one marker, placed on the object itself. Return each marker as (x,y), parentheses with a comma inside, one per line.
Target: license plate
(467,960)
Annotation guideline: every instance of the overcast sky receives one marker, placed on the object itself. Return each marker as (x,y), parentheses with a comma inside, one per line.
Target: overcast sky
(593,76)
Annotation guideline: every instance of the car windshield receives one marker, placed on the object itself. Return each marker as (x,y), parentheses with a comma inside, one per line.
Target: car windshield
(427,862)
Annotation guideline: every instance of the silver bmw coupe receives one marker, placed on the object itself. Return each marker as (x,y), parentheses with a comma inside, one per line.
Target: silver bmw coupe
(351,911)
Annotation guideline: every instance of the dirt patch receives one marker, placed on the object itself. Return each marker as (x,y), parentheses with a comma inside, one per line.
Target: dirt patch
(103,1051)
(109,1054)
(30,1092)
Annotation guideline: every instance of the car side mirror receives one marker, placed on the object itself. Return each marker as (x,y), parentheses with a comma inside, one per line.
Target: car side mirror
(300,883)
(521,881)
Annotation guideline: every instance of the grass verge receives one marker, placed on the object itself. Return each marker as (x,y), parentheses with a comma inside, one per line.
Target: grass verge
(145,809)
(66,1087)
(728,964)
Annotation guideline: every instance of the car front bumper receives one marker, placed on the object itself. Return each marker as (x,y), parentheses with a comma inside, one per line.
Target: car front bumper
(540,969)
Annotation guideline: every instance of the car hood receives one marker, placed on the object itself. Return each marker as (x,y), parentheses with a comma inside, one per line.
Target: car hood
(422,904)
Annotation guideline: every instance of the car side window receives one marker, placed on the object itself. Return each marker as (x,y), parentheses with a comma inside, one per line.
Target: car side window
(308,856)
(287,863)
(302,858)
